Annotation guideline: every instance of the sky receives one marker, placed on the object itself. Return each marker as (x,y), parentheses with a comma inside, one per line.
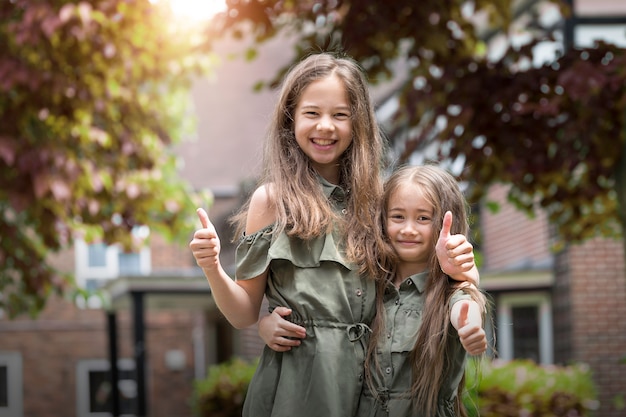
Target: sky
(198,10)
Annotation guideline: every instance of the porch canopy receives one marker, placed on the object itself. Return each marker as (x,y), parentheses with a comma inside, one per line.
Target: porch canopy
(136,294)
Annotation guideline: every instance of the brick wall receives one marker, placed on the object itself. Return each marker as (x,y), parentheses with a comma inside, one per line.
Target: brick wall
(562,309)
(167,257)
(52,346)
(588,294)
(598,307)
(513,240)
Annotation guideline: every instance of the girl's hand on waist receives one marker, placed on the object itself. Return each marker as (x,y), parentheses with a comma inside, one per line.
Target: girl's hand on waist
(278,333)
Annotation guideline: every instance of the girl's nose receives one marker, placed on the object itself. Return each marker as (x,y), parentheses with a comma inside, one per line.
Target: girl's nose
(408,229)
(325,124)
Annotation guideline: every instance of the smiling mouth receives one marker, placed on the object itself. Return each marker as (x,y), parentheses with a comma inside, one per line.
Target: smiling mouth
(408,242)
(323,142)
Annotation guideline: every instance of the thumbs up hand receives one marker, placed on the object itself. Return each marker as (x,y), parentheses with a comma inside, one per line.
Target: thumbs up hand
(205,244)
(469,325)
(455,252)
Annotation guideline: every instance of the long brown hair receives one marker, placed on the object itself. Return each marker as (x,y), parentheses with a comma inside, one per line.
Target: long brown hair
(428,356)
(302,210)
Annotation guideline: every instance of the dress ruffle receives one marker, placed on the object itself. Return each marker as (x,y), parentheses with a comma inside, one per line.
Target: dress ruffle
(257,250)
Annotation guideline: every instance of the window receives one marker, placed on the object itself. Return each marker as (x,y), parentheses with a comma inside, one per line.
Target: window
(97,255)
(100,262)
(11,389)
(526,332)
(93,388)
(129,264)
(97,263)
(525,327)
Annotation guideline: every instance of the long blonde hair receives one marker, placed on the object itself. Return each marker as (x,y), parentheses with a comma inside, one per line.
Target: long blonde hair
(429,360)
(302,210)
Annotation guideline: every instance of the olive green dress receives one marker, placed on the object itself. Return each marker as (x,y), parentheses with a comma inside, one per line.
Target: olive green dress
(403,317)
(324,375)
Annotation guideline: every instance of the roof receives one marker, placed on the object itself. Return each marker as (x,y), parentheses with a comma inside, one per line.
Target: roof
(163,292)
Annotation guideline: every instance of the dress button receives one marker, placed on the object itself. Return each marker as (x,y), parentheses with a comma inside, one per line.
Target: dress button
(344,211)
(397,302)
(388,370)
(388,335)
(359,293)
(409,282)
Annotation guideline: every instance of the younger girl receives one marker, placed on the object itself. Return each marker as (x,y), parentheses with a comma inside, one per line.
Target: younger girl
(416,359)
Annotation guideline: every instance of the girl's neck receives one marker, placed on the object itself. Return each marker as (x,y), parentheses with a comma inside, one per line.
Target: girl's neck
(330,174)
(406,270)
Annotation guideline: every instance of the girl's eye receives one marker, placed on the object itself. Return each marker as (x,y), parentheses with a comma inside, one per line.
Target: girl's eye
(396,217)
(310,113)
(342,116)
(423,219)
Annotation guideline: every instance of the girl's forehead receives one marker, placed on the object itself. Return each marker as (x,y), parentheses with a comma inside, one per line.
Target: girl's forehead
(409,193)
(330,78)
(328,89)
(408,186)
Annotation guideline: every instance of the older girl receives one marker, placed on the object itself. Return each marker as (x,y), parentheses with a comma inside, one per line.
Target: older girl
(306,245)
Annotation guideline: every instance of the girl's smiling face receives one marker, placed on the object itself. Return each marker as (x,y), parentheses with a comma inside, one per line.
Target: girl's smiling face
(409,228)
(323,125)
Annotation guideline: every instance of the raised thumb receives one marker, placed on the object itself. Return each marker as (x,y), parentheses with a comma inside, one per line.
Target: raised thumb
(204,218)
(446,226)
(463,314)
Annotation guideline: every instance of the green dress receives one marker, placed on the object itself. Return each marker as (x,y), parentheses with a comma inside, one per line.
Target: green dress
(403,317)
(324,375)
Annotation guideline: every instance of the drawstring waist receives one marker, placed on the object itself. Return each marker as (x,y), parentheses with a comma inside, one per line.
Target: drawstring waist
(355,331)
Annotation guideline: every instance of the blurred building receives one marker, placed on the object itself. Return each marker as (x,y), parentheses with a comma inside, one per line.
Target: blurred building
(160,322)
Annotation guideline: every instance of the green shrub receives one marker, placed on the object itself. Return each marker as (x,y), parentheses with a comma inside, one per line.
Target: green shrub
(222,392)
(523,388)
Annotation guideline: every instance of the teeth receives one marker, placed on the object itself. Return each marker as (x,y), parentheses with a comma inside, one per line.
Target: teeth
(323,142)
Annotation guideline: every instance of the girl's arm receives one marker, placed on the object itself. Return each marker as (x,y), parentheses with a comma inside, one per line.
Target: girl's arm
(239,301)
(456,254)
(466,318)
(280,334)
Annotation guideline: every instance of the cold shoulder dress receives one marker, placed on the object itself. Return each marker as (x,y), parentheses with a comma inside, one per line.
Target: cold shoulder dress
(324,375)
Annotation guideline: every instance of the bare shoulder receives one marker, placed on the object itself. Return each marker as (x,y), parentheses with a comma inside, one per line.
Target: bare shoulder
(261,211)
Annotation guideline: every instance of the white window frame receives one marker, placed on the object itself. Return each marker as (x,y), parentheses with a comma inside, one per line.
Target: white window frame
(585,35)
(505,341)
(112,269)
(13,362)
(85,271)
(82,382)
